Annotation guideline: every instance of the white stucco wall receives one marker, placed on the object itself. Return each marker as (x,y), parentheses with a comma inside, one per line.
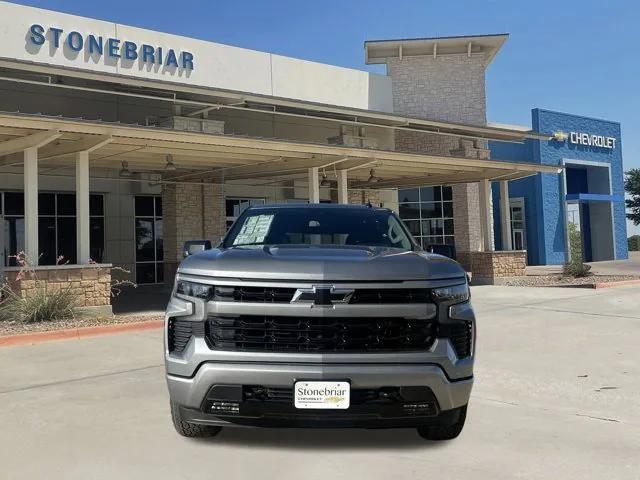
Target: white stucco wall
(215,65)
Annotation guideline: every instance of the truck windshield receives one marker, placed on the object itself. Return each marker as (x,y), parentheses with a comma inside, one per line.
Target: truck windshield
(318,226)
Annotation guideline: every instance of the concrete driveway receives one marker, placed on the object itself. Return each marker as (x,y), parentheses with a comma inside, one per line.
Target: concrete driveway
(557,395)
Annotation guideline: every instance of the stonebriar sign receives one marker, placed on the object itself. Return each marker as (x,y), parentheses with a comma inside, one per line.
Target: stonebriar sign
(114,48)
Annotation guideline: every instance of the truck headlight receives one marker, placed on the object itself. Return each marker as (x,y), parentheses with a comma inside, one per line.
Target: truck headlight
(196,290)
(452,294)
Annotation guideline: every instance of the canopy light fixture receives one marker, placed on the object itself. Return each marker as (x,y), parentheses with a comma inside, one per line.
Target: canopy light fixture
(124,171)
(170,166)
(372,177)
(325,181)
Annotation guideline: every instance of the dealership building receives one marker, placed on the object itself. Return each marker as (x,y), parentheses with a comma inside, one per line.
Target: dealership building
(118,144)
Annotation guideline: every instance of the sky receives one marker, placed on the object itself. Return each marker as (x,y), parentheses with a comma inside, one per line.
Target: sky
(576,56)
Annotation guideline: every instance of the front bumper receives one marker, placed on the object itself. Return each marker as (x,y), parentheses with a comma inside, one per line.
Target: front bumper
(190,393)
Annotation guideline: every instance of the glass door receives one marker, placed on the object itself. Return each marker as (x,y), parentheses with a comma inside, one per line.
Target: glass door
(518,226)
(149,240)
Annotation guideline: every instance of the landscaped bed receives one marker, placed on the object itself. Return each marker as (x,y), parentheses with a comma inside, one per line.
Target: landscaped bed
(13,327)
(558,280)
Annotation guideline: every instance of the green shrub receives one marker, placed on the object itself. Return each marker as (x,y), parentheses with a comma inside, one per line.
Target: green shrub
(634,243)
(39,305)
(577,269)
(576,266)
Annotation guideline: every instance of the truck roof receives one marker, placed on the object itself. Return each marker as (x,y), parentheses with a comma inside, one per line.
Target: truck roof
(317,205)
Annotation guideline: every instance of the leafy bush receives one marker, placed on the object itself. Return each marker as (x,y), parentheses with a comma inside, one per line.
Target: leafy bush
(576,269)
(39,305)
(576,266)
(634,243)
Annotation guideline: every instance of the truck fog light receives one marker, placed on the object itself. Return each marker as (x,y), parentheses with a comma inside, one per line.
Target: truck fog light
(225,407)
(419,408)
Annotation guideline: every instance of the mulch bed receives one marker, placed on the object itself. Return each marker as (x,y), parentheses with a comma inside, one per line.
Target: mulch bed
(17,328)
(560,281)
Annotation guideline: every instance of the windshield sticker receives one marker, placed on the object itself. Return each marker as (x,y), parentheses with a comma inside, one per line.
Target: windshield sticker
(254,230)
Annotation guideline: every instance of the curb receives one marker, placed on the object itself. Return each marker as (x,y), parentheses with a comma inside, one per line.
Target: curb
(77,333)
(621,283)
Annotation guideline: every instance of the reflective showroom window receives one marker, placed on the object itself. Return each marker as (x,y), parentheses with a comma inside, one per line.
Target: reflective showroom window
(56,226)
(149,239)
(428,214)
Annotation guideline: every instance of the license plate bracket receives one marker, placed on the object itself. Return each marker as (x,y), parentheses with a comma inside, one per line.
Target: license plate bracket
(323,395)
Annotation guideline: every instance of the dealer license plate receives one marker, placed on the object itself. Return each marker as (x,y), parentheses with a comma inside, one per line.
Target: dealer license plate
(325,395)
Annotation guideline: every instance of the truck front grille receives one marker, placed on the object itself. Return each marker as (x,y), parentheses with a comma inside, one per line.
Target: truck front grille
(263,333)
(382,296)
(253,294)
(371,296)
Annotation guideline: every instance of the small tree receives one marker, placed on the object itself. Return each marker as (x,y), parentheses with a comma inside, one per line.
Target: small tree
(632,186)
(576,266)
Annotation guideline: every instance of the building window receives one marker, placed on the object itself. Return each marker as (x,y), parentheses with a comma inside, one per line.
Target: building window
(56,227)
(235,206)
(149,239)
(428,214)
(518,226)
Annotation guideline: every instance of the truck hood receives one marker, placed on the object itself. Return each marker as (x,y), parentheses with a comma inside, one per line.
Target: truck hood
(321,263)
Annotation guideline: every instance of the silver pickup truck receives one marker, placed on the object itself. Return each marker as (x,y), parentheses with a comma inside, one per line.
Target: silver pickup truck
(319,316)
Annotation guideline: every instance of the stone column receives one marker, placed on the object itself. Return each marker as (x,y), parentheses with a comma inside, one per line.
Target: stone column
(215,218)
(449,88)
(190,212)
(363,197)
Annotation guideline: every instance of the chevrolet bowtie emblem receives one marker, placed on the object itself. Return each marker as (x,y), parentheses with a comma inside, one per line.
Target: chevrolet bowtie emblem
(322,295)
(560,136)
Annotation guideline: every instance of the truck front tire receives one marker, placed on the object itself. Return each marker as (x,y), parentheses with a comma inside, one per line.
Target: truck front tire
(447,432)
(192,430)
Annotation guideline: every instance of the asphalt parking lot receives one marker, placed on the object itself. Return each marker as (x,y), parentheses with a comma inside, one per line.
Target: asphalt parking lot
(557,395)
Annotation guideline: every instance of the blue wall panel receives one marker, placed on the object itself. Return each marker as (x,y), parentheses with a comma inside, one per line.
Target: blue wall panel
(553,153)
(544,202)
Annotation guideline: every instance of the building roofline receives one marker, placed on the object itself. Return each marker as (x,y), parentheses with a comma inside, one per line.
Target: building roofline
(450,37)
(586,117)
(378,51)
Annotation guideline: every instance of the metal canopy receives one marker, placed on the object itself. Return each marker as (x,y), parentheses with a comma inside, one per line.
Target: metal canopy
(226,158)
(198,100)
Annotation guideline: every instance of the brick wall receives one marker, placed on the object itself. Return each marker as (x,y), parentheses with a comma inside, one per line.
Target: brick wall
(362,197)
(190,212)
(490,267)
(449,88)
(90,285)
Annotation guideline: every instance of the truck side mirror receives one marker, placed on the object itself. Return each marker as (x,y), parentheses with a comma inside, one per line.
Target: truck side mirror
(196,246)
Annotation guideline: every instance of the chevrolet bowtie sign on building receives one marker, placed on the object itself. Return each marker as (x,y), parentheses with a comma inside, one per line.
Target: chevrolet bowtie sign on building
(586,139)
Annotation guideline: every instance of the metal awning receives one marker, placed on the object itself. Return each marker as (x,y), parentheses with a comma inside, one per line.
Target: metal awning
(196,100)
(226,158)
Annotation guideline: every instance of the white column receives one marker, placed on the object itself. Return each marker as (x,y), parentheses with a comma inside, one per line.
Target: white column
(314,185)
(343,189)
(82,208)
(485,215)
(505,215)
(31,248)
